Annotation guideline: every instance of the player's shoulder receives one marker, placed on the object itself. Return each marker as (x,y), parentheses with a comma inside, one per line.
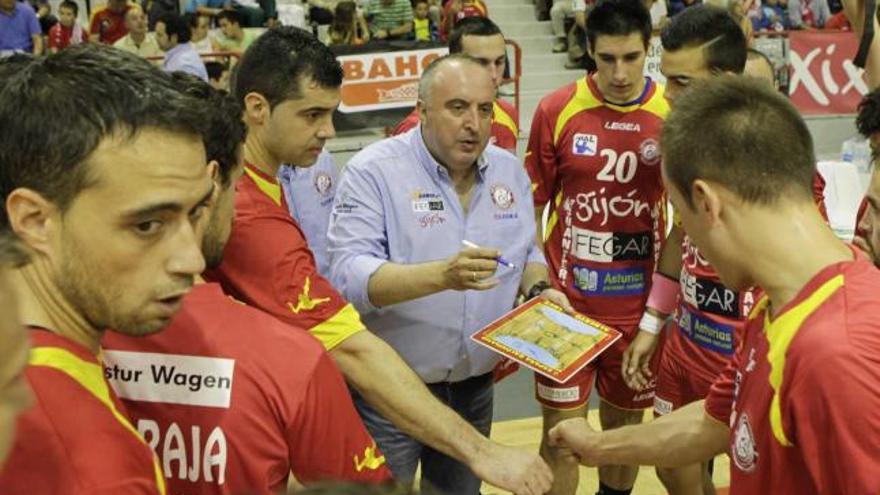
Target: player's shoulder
(386,156)
(656,103)
(554,102)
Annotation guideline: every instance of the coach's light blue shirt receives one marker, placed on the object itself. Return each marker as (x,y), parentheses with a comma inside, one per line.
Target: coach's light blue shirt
(396,203)
(309,192)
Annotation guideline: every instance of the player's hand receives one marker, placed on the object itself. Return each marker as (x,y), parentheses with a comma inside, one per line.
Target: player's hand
(559,298)
(636,364)
(471,269)
(518,471)
(576,439)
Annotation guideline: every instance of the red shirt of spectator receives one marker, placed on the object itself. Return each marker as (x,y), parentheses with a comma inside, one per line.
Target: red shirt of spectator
(60,37)
(467,8)
(109,23)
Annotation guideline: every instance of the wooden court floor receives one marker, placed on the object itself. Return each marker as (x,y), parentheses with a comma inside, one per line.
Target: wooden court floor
(526,434)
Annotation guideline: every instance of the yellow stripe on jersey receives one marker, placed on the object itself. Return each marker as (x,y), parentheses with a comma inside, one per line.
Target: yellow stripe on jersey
(658,105)
(780,333)
(554,217)
(336,329)
(271,189)
(91,377)
(501,117)
(583,99)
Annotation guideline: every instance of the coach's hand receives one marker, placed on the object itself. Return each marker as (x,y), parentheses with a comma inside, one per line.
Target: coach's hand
(577,440)
(518,471)
(471,269)
(636,364)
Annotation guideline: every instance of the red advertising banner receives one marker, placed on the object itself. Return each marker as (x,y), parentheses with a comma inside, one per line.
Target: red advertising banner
(824,80)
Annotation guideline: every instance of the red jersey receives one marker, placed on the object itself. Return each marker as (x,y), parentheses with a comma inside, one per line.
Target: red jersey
(802,396)
(477,9)
(76,438)
(267,264)
(109,25)
(219,397)
(60,36)
(505,125)
(599,163)
(709,317)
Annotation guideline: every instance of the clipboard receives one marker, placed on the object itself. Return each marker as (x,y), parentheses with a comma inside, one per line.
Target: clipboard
(541,336)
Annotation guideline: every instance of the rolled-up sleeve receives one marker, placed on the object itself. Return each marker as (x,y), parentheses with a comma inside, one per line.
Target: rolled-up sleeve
(357,236)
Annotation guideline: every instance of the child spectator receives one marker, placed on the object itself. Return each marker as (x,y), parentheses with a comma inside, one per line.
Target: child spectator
(108,24)
(457,10)
(424,28)
(199,25)
(348,27)
(67,31)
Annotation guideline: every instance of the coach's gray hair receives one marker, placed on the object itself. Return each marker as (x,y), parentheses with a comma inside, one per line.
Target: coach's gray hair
(426,82)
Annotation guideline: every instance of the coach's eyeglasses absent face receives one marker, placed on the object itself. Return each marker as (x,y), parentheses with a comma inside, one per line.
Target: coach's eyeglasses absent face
(295,130)
(620,66)
(15,396)
(456,114)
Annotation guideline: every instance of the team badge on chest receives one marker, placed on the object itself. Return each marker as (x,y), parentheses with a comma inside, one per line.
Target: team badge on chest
(745,454)
(649,151)
(323,183)
(584,145)
(502,196)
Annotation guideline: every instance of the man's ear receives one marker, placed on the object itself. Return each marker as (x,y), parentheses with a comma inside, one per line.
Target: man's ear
(421,108)
(707,201)
(256,109)
(33,218)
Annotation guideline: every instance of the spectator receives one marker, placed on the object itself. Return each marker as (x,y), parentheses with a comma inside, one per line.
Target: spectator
(172,34)
(402,263)
(67,31)
(769,17)
(44,14)
(321,11)
(19,28)
(251,16)
(676,6)
(108,24)
(138,40)
(348,27)
(218,74)
(233,38)
(424,28)
(199,27)
(808,13)
(561,10)
(389,19)
(456,10)
(155,8)
(291,13)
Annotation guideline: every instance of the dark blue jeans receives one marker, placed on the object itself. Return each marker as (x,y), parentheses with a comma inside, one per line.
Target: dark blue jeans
(472,400)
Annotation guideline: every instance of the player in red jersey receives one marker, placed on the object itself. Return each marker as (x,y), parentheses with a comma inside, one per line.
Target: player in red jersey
(108,203)
(480,38)
(798,408)
(593,155)
(708,317)
(252,415)
(289,84)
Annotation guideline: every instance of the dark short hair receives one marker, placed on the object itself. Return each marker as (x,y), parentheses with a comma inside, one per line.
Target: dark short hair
(47,148)
(751,140)
(68,4)
(215,69)
(175,24)
(725,43)
(275,63)
(471,26)
(225,131)
(618,18)
(868,119)
(230,16)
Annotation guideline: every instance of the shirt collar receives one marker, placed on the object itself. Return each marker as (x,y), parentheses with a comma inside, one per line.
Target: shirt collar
(432,166)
